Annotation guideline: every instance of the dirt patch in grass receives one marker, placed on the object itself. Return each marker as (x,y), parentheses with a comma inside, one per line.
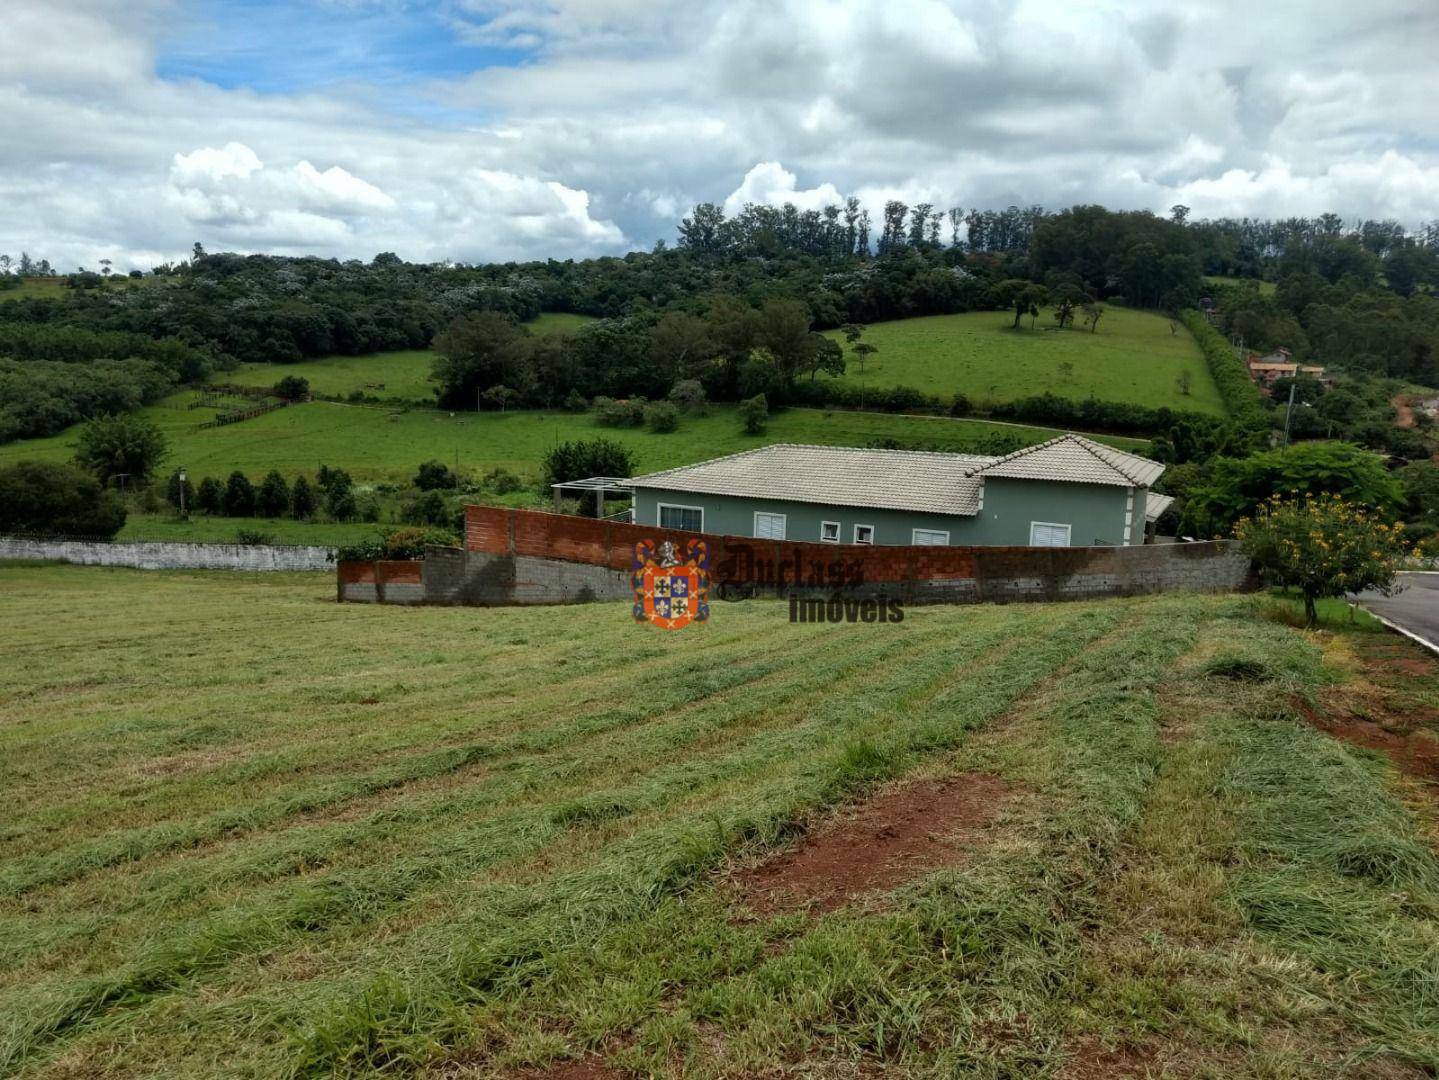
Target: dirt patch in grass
(1415,753)
(1092,1060)
(585,1068)
(879,845)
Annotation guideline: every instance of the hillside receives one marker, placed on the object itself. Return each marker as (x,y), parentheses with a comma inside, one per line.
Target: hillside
(376,443)
(1132,357)
(998,840)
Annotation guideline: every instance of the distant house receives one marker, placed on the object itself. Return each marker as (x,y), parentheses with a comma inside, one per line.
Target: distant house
(1265,370)
(1067,492)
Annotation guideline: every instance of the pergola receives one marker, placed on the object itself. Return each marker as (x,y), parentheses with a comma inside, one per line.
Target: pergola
(599,485)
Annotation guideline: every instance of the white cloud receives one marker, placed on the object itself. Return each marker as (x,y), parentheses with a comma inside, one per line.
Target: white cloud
(623,114)
(771,184)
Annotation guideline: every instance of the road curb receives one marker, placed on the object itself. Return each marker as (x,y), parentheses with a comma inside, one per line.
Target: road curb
(1431,646)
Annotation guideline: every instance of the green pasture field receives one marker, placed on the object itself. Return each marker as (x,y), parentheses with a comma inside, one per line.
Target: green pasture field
(54,288)
(252,832)
(1133,357)
(1266,288)
(375,443)
(401,375)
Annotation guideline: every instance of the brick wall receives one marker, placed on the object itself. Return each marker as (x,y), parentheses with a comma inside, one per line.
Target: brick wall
(526,557)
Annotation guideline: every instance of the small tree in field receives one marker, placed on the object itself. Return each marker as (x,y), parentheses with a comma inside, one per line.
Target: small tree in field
(1322,546)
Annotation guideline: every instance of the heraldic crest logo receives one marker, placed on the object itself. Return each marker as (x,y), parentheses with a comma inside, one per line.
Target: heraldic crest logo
(671,590)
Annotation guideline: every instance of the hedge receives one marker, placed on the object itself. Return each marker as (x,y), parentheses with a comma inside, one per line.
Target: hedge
(1230,375)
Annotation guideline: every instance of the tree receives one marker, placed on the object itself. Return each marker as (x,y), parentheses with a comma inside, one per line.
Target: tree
(1092,314)
(1323,546)
(429,509)
(434,475)
(502,397)
(1066,298)
(583,458)
(682,344)
(210,496)
(302,500)
(57,500)
(662,417)
(689,396)
(477,352)
(273,498)
(112,446)
(754,414)
(292,388)
(239,498)
(824,355)
(340,502)
(1235,487)
(1024,296)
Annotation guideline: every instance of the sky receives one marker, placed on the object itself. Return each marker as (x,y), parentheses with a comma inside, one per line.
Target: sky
(482,130)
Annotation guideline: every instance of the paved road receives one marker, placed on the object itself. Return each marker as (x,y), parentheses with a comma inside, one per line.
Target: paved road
(1416,609)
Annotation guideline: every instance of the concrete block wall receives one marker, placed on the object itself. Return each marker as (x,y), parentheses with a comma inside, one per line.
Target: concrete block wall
(526,557)
(170,556)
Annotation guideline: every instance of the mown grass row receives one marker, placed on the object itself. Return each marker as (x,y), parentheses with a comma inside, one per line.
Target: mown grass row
(780,740)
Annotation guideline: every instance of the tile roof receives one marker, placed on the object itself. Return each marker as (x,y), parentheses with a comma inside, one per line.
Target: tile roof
(931,483)
(921,481)
(1074,459)
(1154,505)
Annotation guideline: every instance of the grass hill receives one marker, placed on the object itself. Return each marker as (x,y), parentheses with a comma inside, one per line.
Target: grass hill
(1084,840)
(1133,357)
(403,375)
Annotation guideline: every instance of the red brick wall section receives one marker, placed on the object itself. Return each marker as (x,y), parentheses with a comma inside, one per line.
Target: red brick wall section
(612,543)
(398,571)
(356,573)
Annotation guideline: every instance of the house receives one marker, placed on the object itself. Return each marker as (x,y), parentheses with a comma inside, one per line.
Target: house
(1264,370)
(1067,492)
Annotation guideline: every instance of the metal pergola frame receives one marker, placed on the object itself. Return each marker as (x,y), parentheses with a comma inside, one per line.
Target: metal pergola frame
(599,485)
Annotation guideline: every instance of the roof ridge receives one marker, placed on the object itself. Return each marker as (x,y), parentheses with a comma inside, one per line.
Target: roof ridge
(1098,451)
(986,458)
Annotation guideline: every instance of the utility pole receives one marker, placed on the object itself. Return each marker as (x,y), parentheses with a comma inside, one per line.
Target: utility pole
(1289,413)
(182,493)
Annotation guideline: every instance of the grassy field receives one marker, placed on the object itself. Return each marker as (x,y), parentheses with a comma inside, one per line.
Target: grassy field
(380,444)
(54,288)
(250,832)
(1133,357)
(1266,288)
(403,375)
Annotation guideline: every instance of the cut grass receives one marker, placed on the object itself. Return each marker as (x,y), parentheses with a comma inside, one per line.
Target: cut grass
(252,832)
(380,444)
(1132,358)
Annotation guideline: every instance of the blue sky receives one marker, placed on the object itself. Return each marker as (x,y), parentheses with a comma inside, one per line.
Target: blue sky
(285,46)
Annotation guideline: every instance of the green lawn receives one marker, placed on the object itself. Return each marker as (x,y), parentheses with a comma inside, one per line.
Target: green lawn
(54,288)
(379,444)
(558,322)
(252,832)
(1133,357)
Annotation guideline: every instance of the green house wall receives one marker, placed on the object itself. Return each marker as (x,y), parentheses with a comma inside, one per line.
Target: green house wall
(1095,514)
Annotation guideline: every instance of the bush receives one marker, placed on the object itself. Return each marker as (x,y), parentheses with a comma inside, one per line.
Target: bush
(114,445)
(253,537)
(662,417)
(434,476)
(574,402)
(581,459)
(302,500)
(340,503)
(210,496)
(46,497)
(239,498)
(689,395)
(430,508)
(408,543)
(627,413)
(1236,389)
(500,481)
(274,496)
(754,414)
(292,388)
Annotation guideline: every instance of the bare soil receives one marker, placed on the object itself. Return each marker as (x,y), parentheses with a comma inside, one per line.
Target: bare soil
(585,1068)
(876,846)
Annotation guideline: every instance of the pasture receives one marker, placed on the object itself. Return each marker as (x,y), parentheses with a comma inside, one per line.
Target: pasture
(402,375)
(375,443)
(1133,357)
(250,832)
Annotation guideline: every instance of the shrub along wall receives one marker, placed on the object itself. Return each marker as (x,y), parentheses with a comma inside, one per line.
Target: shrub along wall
(1241,396)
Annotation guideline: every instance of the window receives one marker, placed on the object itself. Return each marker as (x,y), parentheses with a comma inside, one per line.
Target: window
(689,518)
(864,534)
(829,532)
(768,526)
(1048,534)
(930,537)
